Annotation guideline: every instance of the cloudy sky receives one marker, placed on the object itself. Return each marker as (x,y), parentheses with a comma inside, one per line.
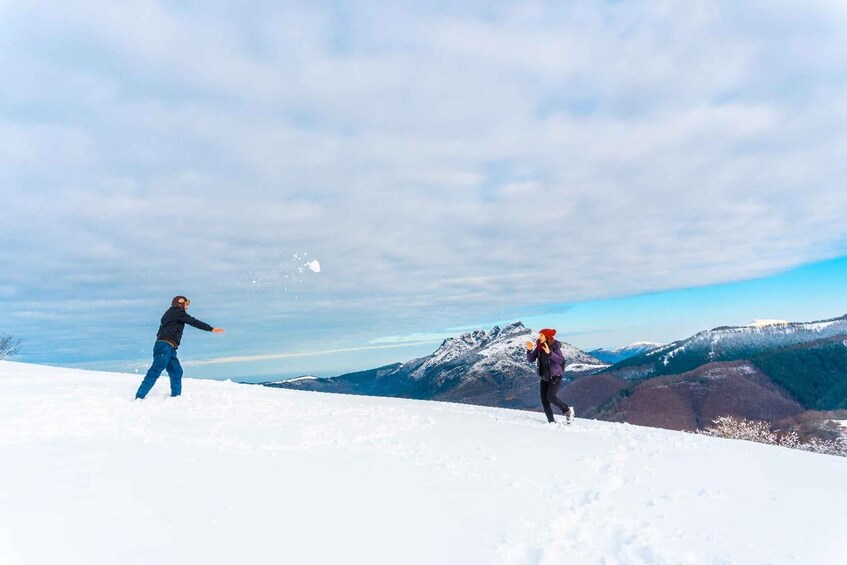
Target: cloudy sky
(449,165)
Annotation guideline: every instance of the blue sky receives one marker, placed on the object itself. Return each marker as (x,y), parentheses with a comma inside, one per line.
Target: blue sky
(448,165)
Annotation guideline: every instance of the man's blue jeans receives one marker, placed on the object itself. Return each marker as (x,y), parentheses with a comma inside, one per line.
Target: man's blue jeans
(164,357)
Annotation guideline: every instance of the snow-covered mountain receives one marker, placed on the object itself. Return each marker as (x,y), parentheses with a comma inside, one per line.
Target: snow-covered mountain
(229,473)
(499,350)
(294,380)
(728,343)
(479,367)
(793,375)
(612,356)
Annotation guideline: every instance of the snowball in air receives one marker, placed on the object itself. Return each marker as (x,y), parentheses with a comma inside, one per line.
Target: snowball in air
(314,266)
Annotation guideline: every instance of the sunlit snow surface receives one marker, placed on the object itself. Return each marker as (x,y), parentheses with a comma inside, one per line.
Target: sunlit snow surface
(233,473)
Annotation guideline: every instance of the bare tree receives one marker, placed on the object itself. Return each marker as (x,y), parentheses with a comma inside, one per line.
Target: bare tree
(730,427)
(8,345)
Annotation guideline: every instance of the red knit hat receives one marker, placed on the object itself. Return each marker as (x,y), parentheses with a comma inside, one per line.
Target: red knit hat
(548,333)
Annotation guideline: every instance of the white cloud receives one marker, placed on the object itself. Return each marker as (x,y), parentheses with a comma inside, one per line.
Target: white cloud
(423,156)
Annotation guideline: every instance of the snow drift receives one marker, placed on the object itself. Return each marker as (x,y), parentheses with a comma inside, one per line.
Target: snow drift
(233,473)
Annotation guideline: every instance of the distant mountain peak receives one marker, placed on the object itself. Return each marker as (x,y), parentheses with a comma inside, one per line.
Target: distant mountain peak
(480,338)
(642,344)
(480,353)
(476,341)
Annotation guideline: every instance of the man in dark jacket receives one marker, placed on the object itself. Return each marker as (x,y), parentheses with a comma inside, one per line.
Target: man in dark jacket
(167,342)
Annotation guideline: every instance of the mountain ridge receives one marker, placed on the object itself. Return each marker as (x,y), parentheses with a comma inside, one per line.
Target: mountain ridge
(619,354)
(725,343)
(479,367)
(783,370)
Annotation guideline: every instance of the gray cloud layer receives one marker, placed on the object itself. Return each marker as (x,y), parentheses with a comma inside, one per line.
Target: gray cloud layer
(443,165)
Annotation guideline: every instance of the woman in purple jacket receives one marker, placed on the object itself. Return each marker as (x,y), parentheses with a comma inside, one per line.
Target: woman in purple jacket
(547,352)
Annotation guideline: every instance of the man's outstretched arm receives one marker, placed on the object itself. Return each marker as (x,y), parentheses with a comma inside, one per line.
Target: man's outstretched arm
(192,321)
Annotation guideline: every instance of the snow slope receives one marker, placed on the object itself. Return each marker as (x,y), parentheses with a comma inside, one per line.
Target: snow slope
(234,473)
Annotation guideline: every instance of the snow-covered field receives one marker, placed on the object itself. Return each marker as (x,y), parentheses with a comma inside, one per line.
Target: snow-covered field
(233,473)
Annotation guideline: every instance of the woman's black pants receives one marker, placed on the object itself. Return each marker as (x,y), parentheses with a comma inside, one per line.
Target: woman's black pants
(548,395)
